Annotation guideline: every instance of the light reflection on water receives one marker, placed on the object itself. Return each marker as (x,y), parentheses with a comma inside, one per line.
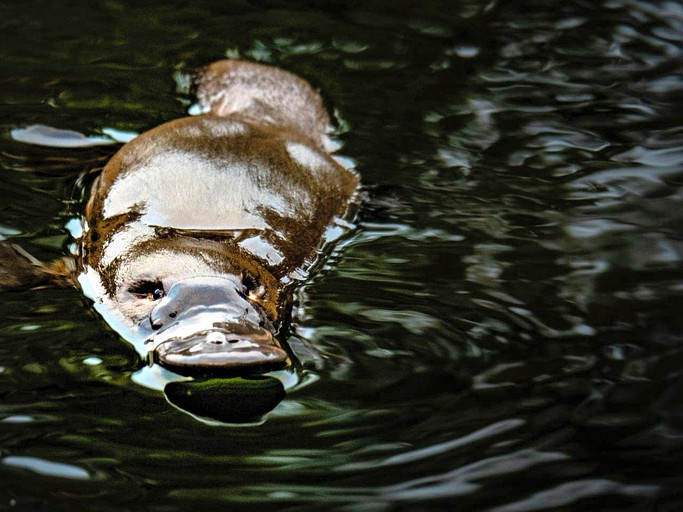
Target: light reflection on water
(502,332)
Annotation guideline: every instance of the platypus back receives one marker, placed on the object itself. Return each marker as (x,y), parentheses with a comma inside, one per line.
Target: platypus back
(264,96)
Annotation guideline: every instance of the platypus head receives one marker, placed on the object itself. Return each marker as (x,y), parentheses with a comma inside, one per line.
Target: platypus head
(191,305)
(211,324)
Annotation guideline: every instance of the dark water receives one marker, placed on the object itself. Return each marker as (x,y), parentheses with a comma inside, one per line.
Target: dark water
(504,332)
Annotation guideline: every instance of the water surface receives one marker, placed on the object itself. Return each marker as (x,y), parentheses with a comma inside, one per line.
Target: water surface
(503,332)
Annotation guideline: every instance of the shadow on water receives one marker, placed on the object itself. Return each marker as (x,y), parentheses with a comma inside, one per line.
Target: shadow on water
(502,333)
(236,400)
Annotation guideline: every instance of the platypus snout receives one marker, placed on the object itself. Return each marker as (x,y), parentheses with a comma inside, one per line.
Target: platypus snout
(221,352)
(205,325)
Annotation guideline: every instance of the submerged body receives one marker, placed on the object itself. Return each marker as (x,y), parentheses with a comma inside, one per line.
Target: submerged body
(197,230)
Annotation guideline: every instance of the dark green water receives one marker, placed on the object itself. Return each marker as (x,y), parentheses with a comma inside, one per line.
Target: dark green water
(504,331)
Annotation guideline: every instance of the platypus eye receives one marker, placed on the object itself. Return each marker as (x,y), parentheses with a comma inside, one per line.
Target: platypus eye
(252,288)
(150,290)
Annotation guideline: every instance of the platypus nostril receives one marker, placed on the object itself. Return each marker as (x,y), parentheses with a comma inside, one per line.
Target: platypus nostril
(216,338)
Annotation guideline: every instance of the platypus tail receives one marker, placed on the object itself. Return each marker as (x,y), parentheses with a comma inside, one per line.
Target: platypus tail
(263,95)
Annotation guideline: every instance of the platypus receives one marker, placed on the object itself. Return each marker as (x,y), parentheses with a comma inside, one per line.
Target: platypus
(196,232)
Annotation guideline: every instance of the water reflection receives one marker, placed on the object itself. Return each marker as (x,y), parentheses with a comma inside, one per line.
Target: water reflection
(46,468)
(224,401)
(502,333)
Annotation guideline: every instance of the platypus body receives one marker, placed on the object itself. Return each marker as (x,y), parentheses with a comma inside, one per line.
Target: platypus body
(197,231)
